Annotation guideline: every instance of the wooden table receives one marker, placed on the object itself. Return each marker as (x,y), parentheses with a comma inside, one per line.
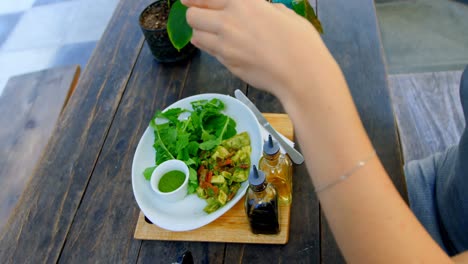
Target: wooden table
(79,206)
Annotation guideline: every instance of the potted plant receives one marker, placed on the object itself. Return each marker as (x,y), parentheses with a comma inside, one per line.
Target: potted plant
(303,8)
(166,31)
(168,34)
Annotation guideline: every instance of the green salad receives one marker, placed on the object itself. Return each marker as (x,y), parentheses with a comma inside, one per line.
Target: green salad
(207,141)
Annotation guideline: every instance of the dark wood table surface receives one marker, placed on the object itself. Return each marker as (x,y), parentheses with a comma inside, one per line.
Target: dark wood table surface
(79,206)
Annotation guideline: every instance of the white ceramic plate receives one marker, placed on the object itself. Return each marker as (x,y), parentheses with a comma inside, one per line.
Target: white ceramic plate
(188,213)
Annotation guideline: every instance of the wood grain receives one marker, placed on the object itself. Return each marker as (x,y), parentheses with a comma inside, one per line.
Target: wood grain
(78,207)
(304,243)
(108,203)
(29,107)
(49,204)
(232,226)
(204,75)
(354,42)
(428,111)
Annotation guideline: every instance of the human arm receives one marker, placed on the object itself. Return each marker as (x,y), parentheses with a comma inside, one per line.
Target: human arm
(461,258)
(276,50)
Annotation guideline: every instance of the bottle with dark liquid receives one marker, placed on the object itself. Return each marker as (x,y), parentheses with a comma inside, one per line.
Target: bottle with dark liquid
(278,170)
(261,204)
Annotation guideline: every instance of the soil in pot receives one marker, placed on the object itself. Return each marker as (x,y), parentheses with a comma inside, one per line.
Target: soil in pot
(155,17)
(153,22)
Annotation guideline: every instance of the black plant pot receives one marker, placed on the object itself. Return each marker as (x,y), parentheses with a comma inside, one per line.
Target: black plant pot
(159,42)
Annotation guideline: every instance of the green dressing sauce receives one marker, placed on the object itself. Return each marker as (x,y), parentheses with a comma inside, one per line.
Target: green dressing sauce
(171,181)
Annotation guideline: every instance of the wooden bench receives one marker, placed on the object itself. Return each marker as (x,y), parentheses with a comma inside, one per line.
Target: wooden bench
(428,111)
(29,108)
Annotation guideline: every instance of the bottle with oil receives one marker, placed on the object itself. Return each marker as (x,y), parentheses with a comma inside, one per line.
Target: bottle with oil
(261,204)
(278,169)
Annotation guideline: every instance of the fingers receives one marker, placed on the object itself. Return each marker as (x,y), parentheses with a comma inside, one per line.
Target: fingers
(206,41)
(209,4)
(284,9)
(204,19)
(281,7)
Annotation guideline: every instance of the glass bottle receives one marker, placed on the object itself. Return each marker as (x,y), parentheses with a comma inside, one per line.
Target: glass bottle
(278,169)
(261,204)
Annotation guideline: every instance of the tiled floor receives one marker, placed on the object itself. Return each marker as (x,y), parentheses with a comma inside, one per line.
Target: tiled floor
(424,35)
(39,34)
(417,35)
(424,39)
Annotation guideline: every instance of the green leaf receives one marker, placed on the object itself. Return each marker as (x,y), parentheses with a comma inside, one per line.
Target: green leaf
(192,148)
(190,162)
(172,114)
(148,172)
(178,29)
(230,129)
(204,129)
(214,104)
(223,128)
(191,189)
(162,151)
(193,175)
(182,141)
(207,145)
(304,9)
(193,180)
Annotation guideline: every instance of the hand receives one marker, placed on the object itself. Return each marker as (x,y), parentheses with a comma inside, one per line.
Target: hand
(266,45)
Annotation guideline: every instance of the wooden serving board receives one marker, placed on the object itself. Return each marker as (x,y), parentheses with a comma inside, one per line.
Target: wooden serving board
(232,226)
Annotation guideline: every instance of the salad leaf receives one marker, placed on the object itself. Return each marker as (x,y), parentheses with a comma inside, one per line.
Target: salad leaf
(148,172)
(193,180)
(215,125)
(184,139)
(204,105)
(161,131)
(219,128)
(171,114)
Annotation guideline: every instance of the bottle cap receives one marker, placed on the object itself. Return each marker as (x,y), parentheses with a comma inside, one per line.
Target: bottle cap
(256,177)
(270,147)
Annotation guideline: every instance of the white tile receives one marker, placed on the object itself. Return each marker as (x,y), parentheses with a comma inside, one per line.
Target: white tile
(90,19)
(15,63)
(13,6)
(424,35)
(39,27)
(59,24)
(3,82)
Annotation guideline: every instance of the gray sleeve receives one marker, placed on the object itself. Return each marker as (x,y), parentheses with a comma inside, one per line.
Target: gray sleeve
(438,189)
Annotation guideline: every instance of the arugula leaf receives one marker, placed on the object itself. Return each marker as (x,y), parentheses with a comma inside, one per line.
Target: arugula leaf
(214,104)
(162,150)
(193,181)
(216,129)
(184,140)
(190,162)
(192,148)
(210,144)
(172,114)
(148,172)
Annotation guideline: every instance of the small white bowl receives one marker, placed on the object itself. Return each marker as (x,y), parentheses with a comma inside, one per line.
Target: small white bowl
(164,168)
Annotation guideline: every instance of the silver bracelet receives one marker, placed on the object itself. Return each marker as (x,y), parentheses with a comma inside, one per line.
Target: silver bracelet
(345,176)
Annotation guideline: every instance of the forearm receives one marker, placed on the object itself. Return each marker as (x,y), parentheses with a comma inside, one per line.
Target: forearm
(461,258)
(369,220)
(271,48)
